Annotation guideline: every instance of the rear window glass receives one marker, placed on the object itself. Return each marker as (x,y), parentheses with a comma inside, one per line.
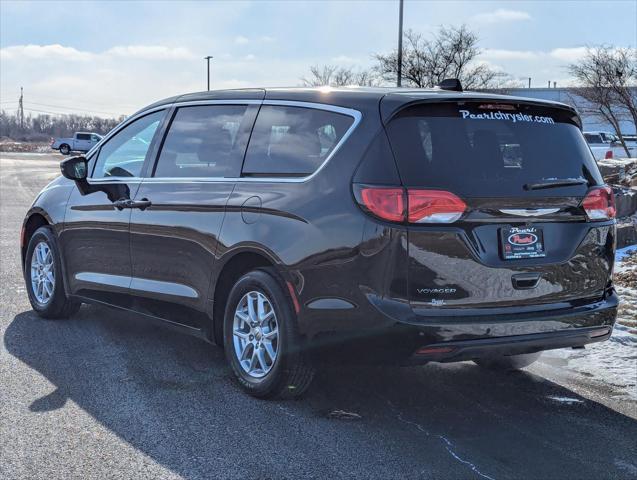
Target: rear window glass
(292,141)
(489,150)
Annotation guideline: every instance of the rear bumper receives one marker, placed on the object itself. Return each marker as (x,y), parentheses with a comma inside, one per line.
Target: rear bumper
(416,339)
(513,345)
(528,333)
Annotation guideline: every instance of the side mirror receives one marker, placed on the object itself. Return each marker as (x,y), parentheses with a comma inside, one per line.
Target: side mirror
(74,168)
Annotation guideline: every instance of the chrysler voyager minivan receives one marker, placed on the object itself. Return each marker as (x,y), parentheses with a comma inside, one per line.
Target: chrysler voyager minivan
(296,225)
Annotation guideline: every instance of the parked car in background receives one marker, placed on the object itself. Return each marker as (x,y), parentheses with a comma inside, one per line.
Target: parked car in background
(80,142)
(603,142)
(297,225)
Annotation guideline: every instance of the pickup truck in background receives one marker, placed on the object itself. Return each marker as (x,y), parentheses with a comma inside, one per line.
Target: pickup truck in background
(80,142)
(606,145)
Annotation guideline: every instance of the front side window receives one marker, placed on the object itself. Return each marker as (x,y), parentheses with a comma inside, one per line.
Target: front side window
(203,141)
(293,141)
(123,154)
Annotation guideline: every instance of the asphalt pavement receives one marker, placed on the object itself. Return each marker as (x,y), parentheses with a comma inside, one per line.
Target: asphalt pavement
(111,395)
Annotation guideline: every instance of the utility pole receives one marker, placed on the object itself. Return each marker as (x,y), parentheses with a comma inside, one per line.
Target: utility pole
(208,66)
(400,44)
(21,109)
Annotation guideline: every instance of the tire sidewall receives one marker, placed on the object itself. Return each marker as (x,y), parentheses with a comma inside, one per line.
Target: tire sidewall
(65,149)
(45,234)
(265,283)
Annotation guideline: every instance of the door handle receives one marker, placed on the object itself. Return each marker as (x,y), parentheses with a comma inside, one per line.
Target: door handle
(142,204)
(123,203)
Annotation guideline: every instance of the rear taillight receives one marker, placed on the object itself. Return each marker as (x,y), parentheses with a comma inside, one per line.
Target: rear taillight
(412,205)
(434,206)
(599,203)
(609,155)
(385,203)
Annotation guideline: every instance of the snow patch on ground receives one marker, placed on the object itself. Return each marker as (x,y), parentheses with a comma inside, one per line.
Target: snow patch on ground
(565,399)
(613,362)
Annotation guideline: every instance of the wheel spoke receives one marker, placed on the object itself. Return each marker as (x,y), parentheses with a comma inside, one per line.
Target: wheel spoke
(251,312)
(269,349)
(241,334)
(262,362)
(271,335)
(245,319)
(253,361)
(244,353)
(266,317)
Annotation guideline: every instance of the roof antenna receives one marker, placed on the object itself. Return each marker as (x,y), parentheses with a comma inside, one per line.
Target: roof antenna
(452,84)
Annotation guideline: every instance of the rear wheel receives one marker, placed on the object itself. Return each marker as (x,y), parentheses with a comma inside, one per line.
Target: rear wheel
(43,275)
(261,340)
(512,362)
(65,149)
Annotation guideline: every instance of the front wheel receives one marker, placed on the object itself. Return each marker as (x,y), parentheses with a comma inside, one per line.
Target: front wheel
(261,340)
(512,362)
(43,276)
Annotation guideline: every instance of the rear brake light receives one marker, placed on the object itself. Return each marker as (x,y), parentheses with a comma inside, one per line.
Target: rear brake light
(599,203)
(413,205)
(434,206)
(385,203)
(609,155)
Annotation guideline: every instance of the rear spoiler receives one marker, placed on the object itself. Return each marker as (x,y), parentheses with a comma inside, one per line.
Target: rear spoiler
(392,103)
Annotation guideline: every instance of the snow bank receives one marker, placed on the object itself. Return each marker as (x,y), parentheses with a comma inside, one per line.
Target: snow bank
(613,362)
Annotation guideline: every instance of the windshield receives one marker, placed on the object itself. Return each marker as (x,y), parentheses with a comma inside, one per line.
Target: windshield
(490,150)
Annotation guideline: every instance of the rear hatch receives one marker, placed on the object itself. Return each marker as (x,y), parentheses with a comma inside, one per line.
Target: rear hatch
(497,191)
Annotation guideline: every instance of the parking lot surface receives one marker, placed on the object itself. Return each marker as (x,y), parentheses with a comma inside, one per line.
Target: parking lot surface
(110,395)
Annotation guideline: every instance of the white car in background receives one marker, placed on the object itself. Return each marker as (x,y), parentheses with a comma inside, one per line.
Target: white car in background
(79,142)
(602,143)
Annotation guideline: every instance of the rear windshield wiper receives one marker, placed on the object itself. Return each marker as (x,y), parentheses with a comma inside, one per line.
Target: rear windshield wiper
(555,183)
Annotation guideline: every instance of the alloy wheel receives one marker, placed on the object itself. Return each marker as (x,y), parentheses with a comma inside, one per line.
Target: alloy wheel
(42,273)
(255,334)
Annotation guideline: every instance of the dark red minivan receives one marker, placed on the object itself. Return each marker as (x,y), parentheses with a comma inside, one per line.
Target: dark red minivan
(295,226)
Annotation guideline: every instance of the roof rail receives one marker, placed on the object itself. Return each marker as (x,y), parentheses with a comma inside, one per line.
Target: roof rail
(450,84)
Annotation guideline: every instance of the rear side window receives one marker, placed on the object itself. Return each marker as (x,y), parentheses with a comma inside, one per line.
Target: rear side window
(203,141)
(489,150)
(293,141)
(83,136)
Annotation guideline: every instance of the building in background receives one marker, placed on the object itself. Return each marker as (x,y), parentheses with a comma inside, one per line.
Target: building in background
(569,96)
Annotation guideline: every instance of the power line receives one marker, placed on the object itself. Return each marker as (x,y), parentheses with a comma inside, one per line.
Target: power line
(72,108)
(46,98)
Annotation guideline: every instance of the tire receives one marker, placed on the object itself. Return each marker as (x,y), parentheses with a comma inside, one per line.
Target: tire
(512,362)
(49,300)
(65,149)
(288,374)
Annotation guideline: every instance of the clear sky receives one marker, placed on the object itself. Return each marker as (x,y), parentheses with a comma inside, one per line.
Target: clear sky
(112,57)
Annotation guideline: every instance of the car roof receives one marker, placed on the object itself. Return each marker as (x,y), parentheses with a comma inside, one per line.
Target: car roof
(391,99)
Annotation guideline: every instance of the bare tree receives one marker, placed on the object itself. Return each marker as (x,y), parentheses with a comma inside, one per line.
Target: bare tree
(607,82)
(451,53)
(321,75)
(42,127)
